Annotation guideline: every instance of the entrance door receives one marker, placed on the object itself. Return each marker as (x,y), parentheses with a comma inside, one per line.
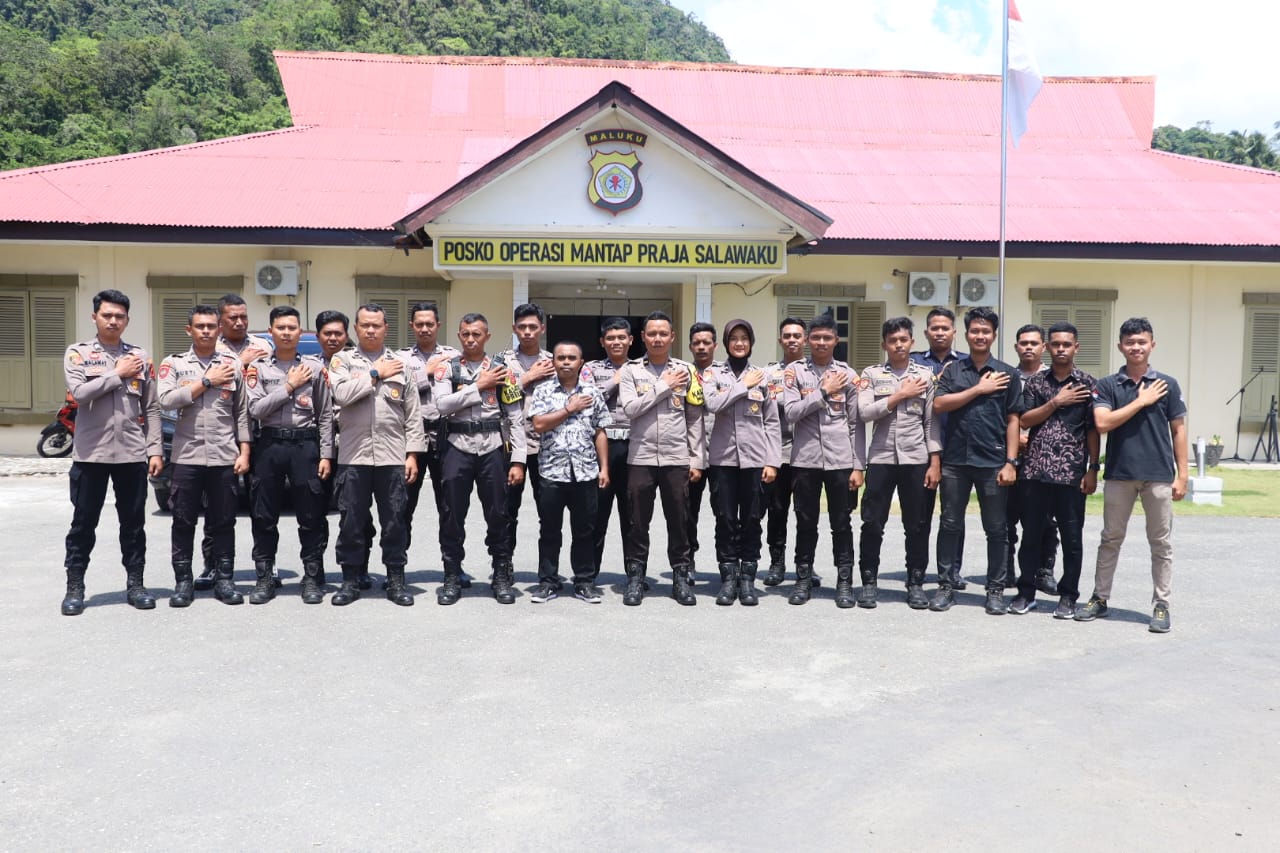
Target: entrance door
(579,320)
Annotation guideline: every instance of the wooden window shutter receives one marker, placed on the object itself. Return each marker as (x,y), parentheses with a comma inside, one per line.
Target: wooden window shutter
(1262,353)
(15,351)
(864,335)
(51,333)
(1092,320)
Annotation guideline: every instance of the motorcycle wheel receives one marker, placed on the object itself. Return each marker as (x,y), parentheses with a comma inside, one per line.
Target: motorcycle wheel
(54,444)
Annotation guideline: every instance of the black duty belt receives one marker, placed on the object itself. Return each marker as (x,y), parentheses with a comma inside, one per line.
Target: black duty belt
(430,424)
(473,427)
(278,434)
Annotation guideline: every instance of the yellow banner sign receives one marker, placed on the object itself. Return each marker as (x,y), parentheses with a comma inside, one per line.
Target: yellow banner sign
(602,252)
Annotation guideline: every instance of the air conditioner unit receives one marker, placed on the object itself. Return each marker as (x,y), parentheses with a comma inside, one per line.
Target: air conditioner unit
(929,288)
(276,278)
(979,289)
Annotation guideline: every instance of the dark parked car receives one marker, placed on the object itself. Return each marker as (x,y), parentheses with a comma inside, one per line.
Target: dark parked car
(307,345)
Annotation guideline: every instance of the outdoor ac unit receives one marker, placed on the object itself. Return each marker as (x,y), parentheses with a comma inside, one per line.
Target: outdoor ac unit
(276,278)
(979,289)
(929,288)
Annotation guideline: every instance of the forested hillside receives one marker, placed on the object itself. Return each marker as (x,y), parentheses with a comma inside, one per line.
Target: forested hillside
(87,79)
(1252,148)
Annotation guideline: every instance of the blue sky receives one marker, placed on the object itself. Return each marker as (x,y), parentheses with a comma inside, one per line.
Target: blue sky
(1209,65)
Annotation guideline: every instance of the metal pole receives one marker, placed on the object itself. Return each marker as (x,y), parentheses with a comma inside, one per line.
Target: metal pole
(1004,166)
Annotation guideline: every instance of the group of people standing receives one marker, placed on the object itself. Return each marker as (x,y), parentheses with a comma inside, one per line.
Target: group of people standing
(368,425)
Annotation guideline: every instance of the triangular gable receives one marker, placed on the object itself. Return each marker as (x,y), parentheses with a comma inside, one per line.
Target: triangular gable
(809,222)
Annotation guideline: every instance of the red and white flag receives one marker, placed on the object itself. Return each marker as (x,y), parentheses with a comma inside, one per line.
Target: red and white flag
(1023,74)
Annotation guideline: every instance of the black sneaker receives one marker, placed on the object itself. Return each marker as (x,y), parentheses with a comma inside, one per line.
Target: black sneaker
(942,600)
(589,593)
(1045,582)
(995,602)
(543,592)
(1022,605)
(1066,608)
(1159,619)
(1094,609)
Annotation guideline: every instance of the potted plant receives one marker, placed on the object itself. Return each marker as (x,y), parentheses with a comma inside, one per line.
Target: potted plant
(1213,452)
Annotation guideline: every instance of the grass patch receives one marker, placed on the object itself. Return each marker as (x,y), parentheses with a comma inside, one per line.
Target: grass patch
(1247,492)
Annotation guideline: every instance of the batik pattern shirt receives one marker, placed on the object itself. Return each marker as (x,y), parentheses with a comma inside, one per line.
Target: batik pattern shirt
(568,452)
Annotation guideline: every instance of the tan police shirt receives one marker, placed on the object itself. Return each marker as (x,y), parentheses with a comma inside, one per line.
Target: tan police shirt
(666,429)
(607,377)
(210,428)
(460,401)
(909,433)
(517,363)
(310,406)
(746,433)
(824,428)
(118,420)
(381,422)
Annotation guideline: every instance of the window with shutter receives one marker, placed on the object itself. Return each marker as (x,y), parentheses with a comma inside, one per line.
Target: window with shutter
(857,326)
(1093,321)
(865,341)
(15,352)
(396,295)
(172,298)
(1262,359)
(51,334)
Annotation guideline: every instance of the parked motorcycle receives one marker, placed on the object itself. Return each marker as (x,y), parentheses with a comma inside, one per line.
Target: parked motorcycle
(56,438)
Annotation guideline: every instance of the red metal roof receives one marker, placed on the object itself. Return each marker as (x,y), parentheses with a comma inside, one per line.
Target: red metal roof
(888,155)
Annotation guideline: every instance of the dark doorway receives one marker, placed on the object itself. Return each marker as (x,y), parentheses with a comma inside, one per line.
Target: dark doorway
(585,330)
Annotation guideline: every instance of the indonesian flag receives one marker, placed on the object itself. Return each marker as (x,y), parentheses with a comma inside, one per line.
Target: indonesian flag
(1023,74)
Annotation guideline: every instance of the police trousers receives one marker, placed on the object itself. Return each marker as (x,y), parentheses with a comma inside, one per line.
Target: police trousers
(617,488)
(280,466)
(359,486)
(515,497)
(881,482)
(737,501)
(487,473)
(428,465)
(215,487)
(778,495)
(89,492)
(808,485)
(644,483)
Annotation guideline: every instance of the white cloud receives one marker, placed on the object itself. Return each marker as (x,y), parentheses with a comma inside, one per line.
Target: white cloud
(1211,63)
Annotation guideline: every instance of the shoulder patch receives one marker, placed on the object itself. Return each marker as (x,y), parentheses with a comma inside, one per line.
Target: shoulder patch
(789,377)
(334,362)
(74,356)
(164,369)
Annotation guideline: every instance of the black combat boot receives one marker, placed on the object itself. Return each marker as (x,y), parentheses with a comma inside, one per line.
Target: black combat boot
(204,583)
(136,594)
(728,584)
(916,599)
(635,584)
(844,587)
(747,583)
(223,588)
(312,585)
(777,568)
(73,602)
(870,591)
(265,588)
(451,591)
(350,589)
(503,591)
(183,587)
(804,583)
(681,591)
(397,592)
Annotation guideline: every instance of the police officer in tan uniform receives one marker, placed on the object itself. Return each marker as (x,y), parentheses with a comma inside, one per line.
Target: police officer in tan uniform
(483,413)
(904,456)
(791,337)
(606,373)
(702,351)
(117,440)
(529,366)
(381,422)
(210,449)
(290,406)
(826,455)
(745,453)
(663,398)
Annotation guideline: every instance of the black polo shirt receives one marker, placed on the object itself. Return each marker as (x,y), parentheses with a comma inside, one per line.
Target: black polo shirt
(1141,448)
(976,433)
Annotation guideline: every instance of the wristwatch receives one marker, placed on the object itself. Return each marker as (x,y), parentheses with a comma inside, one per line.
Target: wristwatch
(374,375)
(206,383)
(1014,462)
(1094,466)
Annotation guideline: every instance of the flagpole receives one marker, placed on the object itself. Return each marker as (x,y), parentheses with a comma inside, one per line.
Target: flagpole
(1004,166)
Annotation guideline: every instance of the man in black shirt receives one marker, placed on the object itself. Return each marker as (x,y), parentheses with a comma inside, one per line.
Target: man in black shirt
(983,397)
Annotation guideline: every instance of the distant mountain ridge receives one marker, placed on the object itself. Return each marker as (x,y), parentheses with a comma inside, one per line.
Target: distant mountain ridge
(89,79)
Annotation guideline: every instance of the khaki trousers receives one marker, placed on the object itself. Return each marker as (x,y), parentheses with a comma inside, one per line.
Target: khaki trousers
(1118,499)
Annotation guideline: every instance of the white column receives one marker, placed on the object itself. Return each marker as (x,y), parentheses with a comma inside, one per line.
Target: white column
(519,296)
(702,299)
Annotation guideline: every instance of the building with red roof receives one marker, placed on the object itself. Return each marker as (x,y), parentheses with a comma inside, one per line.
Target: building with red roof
(599,188)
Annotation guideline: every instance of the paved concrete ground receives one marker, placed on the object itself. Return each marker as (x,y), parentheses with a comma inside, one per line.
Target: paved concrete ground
(574,727)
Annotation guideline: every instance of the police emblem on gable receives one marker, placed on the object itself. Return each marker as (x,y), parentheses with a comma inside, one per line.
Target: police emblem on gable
(615,185)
